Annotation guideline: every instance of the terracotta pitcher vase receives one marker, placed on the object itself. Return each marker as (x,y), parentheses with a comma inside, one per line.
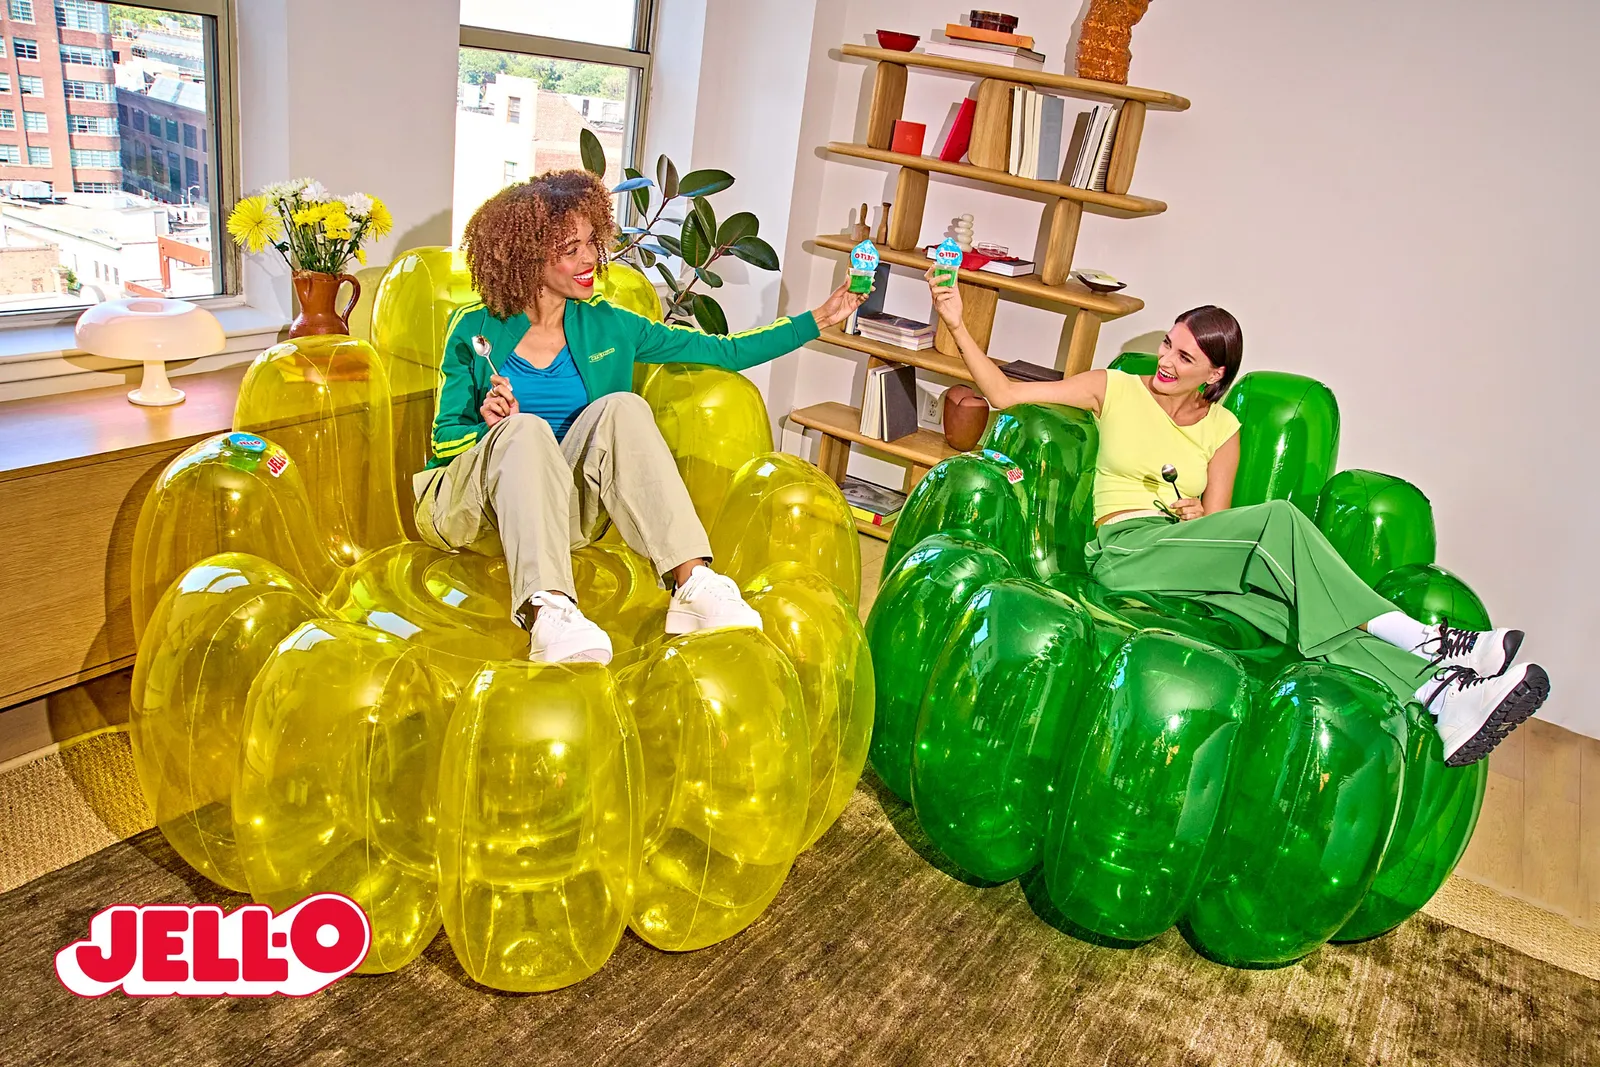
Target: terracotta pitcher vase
(1103,52)
(318,292)
(966,416)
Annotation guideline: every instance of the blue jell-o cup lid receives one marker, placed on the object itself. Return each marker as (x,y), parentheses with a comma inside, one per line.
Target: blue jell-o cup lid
(948,254)
(864,256)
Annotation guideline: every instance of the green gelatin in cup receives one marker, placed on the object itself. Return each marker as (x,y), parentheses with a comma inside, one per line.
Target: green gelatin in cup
(861,281)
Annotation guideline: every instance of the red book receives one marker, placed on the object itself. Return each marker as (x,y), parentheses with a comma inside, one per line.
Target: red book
(908,137)
(955,146)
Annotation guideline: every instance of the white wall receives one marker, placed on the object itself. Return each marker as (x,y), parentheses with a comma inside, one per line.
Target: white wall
(1392,199)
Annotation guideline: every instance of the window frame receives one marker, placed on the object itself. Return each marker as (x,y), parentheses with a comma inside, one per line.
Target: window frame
(11,11)
(639,58)
(222,106)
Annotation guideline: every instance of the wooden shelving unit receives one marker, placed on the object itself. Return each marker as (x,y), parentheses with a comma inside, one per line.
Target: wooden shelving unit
(986,162)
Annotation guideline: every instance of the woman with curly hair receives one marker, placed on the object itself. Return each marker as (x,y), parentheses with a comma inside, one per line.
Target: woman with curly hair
(537,433)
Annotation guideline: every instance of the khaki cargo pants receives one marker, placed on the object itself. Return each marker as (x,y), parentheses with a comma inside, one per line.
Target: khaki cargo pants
(520,492)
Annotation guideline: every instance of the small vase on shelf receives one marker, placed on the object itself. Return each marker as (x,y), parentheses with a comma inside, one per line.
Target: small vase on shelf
(1103,52)
(318,293)
(966,416)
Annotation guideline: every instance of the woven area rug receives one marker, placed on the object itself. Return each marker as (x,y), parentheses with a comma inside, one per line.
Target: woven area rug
(870,955)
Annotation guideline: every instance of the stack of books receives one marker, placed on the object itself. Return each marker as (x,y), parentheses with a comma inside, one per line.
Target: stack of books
(1043,148)
(889,404)
(985,46)
(895,330)
(872,504)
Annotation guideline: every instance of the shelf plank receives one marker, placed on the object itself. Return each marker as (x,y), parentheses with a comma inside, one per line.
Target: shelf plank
(1151,98)
(1070,293)
(1110,204)
(882,533)
(844,422)
(926,358)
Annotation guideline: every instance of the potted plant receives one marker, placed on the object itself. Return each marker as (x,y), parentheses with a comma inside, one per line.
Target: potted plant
(317,234)
(692,233)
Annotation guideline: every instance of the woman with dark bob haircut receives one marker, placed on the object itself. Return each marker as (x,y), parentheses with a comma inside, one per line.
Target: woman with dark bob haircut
(537,434)
(1267,563)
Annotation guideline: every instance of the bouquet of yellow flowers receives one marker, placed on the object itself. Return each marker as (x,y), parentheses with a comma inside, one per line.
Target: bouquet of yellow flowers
(312,229)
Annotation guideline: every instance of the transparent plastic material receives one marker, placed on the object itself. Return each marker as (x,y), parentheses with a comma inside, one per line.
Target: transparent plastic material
(917,606)
(337,781)
(1140,795)
(228,493)
(208,638)
(629,288)
(781,509)
(713,421)
(978,496)
(812,623)
(727,773)
(996,723)
(326,401)
(1055,448)
(1312,803)
(539,825)
(1376,522)
(1288,438)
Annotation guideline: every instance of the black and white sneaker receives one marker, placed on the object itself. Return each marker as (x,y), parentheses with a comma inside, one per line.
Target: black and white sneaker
(1486,653)
(1474,713)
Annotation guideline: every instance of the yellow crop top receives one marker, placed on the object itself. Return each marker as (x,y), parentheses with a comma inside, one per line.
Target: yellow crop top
(1137,438)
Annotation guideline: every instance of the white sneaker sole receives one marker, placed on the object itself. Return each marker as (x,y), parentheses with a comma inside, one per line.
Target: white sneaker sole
(1515,708)
(682,621)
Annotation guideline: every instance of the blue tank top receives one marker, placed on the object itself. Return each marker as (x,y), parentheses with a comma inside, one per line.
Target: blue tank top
(555,393)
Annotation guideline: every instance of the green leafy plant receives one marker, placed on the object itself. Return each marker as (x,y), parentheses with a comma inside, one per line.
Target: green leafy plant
(698,239)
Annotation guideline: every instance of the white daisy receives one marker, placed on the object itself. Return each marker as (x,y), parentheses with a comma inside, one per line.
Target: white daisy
(313,192)
(357,204)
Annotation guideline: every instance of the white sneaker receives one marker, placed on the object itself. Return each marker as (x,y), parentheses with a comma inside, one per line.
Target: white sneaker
(1485,653)
(562,634)
(707,601)
(1474,713)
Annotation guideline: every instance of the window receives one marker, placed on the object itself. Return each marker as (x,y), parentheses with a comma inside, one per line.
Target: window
(20,10)
(192,41)
(85,57)
(5,82)
(82,15)
(24,49)
(8,119)
(565,67)
(95,157)
(35,122)
(100,125)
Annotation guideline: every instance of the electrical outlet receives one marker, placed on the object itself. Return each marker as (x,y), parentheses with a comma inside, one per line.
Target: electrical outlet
(930,403)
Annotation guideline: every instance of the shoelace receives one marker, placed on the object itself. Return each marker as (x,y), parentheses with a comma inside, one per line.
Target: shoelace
(1452,642)
(1459,676)
(722,587)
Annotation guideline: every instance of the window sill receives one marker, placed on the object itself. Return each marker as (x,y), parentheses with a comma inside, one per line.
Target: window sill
(44,359)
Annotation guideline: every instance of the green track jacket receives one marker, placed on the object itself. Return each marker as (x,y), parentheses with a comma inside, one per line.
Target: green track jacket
(606,341)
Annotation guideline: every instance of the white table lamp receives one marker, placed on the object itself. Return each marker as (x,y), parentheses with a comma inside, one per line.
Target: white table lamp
(153,331)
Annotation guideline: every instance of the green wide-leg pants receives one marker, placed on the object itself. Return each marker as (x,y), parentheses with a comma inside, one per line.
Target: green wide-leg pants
(1269,565)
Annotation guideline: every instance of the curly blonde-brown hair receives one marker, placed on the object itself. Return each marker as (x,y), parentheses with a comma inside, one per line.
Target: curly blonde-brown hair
(512,234)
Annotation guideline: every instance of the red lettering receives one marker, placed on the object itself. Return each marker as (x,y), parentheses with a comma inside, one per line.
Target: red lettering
(209,965)
(163,949)
(259,964)
(113,965)
(349,945)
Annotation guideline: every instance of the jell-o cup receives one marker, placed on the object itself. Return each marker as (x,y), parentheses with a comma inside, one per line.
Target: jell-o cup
(863,267)
(946,262)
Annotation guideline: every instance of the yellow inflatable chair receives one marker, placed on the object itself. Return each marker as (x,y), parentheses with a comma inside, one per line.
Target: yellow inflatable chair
(322,703)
